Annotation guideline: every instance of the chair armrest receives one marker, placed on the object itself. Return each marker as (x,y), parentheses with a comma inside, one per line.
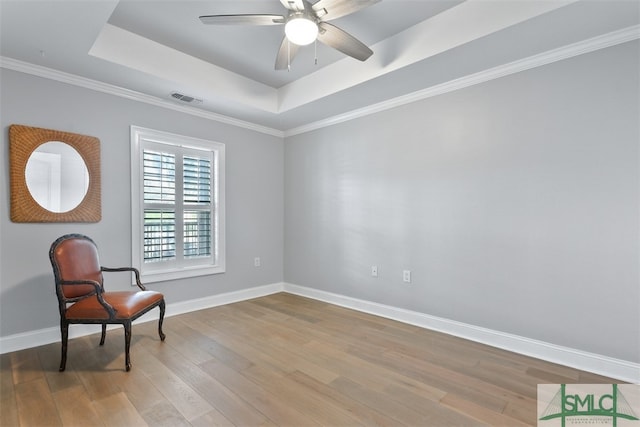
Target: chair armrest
(98,293)
(135,271)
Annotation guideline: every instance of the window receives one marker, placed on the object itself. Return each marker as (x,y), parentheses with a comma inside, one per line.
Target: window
(177,202)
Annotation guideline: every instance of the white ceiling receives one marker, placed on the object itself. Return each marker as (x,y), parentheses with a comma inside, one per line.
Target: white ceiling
(157,47)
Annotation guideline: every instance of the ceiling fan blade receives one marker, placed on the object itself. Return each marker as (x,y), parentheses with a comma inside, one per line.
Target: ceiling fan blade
(242,19)
(333,9)
(343,41)
(295,5)
(286,53)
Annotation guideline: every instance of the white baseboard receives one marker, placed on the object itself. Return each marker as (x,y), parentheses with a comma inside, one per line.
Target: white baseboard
(215,301)
(596,363)
(50,335)
(599,364)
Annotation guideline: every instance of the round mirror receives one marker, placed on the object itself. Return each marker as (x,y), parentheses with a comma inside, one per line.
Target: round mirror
(57,176)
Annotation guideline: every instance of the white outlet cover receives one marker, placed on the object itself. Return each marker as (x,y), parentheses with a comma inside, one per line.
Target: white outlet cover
(406,276)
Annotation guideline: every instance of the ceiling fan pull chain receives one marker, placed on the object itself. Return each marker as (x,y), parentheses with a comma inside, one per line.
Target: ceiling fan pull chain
(315,49)
(288,55)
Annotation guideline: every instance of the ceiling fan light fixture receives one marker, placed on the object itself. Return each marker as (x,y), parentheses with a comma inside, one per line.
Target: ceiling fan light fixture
(301,30)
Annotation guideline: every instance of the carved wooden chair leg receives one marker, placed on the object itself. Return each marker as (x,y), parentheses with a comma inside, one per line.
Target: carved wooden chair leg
(127,345)
(104,333)
(162,335)
(64,331)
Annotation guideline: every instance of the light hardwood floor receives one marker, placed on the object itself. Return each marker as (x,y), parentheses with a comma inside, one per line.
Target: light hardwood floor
(276,360)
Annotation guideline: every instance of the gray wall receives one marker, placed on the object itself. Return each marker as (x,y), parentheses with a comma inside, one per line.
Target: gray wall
(254,196)
(514,203)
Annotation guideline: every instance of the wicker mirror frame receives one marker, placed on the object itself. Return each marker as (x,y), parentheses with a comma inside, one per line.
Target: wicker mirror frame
(23,140)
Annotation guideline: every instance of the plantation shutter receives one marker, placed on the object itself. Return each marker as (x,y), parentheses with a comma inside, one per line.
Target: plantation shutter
(197,184)
(159,175)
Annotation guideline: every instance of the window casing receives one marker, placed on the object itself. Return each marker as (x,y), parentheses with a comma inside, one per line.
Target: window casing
(177,201)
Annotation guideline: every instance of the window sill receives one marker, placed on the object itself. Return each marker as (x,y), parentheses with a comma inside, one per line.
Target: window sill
(182,273)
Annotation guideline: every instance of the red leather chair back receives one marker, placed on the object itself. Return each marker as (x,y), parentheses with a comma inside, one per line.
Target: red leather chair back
(76,258)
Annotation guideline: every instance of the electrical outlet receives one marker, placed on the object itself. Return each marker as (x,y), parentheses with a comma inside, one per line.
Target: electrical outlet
(374,271)
(257,262)
(406,276)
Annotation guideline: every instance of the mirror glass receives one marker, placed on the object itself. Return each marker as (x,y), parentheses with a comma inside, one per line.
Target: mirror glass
(57,176)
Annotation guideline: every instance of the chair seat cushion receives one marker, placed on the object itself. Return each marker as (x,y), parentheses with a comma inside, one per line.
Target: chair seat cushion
(127,304)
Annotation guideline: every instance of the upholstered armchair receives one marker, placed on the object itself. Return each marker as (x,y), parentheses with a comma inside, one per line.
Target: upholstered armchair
(83,299)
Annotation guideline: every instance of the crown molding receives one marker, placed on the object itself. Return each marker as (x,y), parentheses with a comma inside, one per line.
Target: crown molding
(72,79)
(575,49)
(565,52)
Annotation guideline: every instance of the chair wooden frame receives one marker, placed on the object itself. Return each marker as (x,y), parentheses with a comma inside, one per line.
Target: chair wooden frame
(111,313)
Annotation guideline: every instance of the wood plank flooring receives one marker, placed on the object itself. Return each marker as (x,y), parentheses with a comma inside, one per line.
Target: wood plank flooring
(277,360)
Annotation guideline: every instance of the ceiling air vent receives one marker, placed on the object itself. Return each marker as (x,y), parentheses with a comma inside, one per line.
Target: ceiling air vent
(186,98)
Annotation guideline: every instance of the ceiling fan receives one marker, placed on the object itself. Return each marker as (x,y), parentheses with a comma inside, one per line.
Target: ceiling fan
(305,23)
